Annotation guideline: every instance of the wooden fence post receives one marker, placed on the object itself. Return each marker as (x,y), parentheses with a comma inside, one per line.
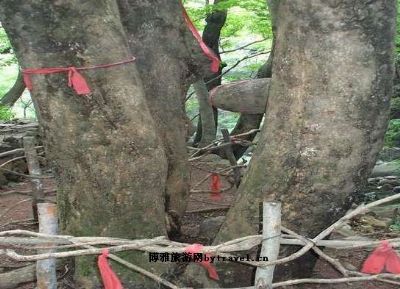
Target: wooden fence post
(48,224)
(271,233)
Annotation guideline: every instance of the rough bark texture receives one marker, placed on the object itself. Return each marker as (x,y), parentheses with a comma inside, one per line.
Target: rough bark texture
(247,96)
(17,277)
(110,166)
(326,117)
(11,97)
(167,56)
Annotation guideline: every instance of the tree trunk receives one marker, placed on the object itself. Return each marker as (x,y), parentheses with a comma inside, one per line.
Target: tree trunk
(11,97)
(168,56)
(247,122)
(17,277)
(246,96)
(326,117)
(209,131)
(110,166)
(211,35)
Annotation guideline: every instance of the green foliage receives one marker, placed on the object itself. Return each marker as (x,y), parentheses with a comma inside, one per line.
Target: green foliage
(392,137)
(6,113)
(244,16)
(6,55)
(227,120)
(395,226)
(8,75)
(5,45)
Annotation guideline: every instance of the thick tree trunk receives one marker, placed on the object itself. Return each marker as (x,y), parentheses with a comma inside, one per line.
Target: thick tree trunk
(110,166)
(15,92)
(247,96)
(167,55)
(326,117)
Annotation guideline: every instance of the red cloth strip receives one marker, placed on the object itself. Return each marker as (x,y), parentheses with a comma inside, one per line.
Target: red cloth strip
(384,256)
(215,62)
(75,79)
(196,248)
(215,187)
(110,279)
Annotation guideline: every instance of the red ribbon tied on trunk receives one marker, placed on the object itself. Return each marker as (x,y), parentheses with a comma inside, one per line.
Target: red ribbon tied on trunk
(383,257)
(215,62)
(110,279)
(196,248)
(75,79)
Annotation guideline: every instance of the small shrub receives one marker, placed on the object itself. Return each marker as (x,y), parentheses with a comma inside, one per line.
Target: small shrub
(392,137)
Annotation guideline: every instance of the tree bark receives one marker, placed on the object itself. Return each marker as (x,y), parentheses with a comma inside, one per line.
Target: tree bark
(215,21)
(247,122)
(15,92)
(110,165)
(17,277)
(209,131)
(168,56)
(326,117)
(247,96)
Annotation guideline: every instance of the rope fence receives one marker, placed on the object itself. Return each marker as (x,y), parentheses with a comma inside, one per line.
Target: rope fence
(62,246)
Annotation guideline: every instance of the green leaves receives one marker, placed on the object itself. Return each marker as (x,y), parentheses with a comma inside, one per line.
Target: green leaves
(244,16)
(5,45)
(392,137)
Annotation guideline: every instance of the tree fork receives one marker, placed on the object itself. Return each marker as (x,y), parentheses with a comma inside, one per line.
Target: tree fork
(169,56)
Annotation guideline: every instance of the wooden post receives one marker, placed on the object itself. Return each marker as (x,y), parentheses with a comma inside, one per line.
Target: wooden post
(34,170)
(46,269)
(231,157)
(270,244)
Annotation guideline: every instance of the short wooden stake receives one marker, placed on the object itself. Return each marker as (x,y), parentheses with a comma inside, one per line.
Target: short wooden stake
(270,244)
(46,269)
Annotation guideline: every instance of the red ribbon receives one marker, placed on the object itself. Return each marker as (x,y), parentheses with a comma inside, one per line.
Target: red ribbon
(384,256)
(196,248)
(215,62)
(75,80)
(215,187)
(110,279)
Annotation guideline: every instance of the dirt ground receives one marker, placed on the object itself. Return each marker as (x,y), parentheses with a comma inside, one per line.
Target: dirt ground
(16,213)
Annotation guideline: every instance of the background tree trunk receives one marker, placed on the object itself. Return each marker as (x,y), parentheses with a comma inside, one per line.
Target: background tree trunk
(247,122)
(168,57)
(208,131)
(110,166)
(15,92)
(215,21)
(326,117)
(247,96)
